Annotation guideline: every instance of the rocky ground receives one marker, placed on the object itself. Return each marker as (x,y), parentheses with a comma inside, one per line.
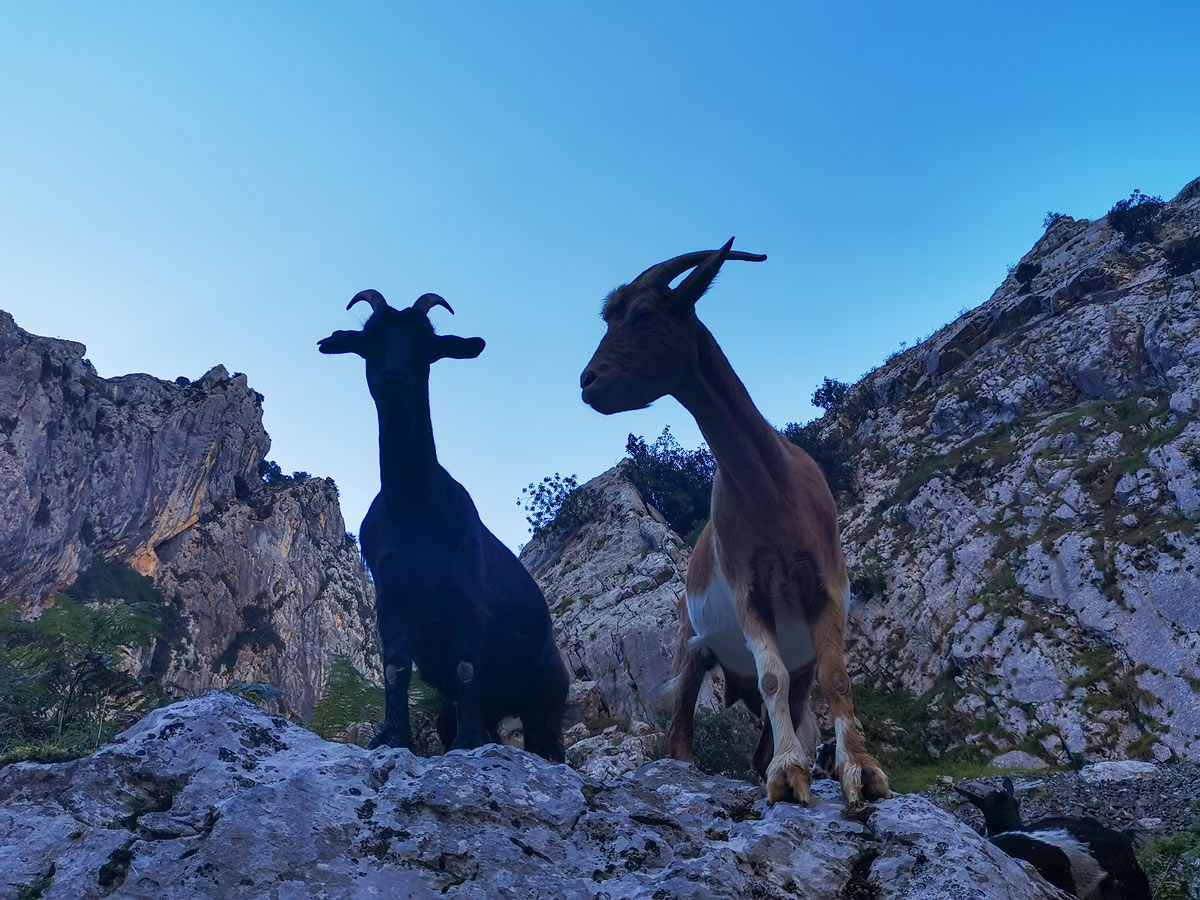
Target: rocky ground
(214,797)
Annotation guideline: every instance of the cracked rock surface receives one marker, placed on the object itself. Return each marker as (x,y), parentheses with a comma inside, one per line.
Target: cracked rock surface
(215,797)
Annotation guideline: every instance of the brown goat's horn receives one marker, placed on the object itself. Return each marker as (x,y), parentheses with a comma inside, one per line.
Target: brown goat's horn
(370,296)
(665,272)
(426,302)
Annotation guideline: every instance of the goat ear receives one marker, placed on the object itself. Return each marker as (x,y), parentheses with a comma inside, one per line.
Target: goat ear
(449,346)
(342,342)
(1008,786)
(693,287)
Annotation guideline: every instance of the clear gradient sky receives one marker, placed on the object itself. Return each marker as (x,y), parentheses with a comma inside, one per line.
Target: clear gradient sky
(189,184)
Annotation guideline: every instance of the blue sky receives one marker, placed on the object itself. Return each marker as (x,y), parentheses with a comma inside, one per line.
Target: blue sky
(187,185)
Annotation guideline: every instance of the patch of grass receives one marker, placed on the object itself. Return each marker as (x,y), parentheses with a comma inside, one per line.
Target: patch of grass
(990,452)
(910,779)
(908,732)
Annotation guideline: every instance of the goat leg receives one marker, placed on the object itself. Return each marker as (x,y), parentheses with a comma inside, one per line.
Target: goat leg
(397,672)
(687,671)
(472,732)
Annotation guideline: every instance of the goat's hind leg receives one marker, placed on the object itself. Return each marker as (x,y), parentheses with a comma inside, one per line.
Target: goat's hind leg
(687,676)
(861,776)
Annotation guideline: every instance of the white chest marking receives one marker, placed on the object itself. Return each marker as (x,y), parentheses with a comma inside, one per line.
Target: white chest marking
(717,630)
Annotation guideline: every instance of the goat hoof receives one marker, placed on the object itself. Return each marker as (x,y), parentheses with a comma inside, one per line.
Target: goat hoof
(388,739)
(788,779)
(863,779)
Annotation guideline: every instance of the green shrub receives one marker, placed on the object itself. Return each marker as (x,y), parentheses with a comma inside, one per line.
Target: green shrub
(61,681)
(350,697)
(1183,257)
(832,455)
(557,505)
(1050,218)
(724,742)
(1026,272)
(675,481)
(1136,217)
(830,394)
(1173,865)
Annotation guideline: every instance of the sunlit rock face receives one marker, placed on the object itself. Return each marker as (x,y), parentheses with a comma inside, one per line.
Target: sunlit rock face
(212,797)
(164,476)
(1023,532)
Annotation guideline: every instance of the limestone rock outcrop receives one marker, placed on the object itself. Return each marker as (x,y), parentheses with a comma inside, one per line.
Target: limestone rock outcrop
(612,583)
(213,797)
(1023,532)
(164,476)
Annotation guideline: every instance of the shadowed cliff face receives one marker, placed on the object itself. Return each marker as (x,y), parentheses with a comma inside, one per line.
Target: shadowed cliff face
(164,476)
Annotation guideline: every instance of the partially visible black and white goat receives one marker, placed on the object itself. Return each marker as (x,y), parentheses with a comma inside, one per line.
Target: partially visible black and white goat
(1078,855)
(450,596)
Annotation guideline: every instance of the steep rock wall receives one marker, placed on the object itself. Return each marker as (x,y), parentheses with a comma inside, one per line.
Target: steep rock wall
(164,476)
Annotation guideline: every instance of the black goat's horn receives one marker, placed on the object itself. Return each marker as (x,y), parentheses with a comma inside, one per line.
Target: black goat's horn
(370,296)
(664,273)
(426,302)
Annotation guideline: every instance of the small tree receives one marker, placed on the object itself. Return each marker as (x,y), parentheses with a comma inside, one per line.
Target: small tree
(675,481)
(269,471)
(1050,218)
(349,697)
(830,393)
(557,504)
(1136,217)
(830,454)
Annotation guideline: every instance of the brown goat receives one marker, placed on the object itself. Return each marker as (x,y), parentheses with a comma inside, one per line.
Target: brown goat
(767,588)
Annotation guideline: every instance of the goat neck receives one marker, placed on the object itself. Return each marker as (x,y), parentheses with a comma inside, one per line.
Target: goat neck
(407,455)
(746,447)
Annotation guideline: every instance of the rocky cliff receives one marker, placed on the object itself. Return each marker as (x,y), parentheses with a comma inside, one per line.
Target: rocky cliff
(1023,538)
(164,476)
(213,797)
(612,582)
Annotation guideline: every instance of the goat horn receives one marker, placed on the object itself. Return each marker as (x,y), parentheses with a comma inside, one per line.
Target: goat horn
(370,296)
(426,302)
(665,272)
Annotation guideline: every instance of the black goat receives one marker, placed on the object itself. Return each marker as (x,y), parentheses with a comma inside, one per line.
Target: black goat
(450,596)
(1078,855)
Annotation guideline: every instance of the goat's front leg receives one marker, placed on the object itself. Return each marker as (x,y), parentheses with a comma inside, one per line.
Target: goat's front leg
(472,732)
(788,775)
(397,672)
(861,776)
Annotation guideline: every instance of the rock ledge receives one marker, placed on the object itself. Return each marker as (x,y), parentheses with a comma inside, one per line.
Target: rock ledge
(214,797)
